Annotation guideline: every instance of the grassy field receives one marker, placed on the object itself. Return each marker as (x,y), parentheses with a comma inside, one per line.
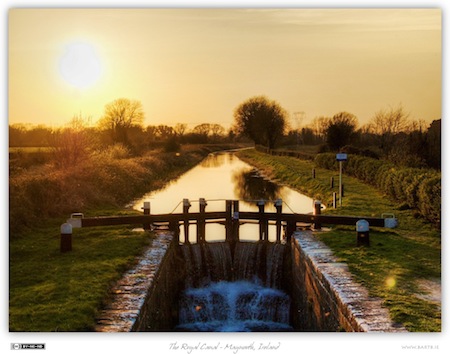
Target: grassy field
(53,291)
(397,260)
(50,291)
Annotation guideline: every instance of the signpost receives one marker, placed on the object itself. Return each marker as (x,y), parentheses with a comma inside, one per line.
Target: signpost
(340,158)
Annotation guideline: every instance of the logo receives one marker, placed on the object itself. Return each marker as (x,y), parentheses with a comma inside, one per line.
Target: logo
(17,346)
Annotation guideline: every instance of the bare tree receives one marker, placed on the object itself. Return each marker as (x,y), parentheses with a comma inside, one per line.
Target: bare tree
(180,129)
(120,115)
(386,124)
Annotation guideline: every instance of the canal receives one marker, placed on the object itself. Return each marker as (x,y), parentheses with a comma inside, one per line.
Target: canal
(219,177)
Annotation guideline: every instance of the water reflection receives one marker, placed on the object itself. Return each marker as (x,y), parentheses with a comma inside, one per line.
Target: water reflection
(251,186)
(220,177)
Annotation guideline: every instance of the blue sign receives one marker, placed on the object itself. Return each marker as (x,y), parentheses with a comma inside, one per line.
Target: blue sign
(341,157)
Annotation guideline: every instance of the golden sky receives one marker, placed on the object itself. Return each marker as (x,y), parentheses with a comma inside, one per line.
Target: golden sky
(197,65)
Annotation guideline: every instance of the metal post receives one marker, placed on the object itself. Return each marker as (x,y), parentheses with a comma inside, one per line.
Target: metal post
(66,238)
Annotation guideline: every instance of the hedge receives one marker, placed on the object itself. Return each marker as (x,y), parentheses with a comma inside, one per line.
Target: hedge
(419,188)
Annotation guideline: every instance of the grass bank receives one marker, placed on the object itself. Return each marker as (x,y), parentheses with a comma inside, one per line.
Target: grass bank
(50,291)
(393,267)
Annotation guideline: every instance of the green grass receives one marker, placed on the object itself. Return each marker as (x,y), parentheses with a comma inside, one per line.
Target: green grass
(53,291)
(396,258)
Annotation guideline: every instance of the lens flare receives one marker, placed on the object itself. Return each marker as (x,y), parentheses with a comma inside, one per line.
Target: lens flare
(390,282)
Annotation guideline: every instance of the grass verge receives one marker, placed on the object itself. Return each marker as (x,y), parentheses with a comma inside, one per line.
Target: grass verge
(53,291)
(50,291)
(396,259)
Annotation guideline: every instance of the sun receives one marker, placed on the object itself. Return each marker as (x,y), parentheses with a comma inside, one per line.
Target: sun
(80,65)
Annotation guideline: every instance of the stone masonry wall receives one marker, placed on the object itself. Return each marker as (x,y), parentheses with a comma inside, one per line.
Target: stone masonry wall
(145,298)
(324,295)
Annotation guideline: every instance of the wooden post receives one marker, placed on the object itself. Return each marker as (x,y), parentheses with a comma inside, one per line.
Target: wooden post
(235,232)
(201,226)
(290,229)
(342,192)
(317,211)
(334,200)
(313,173)
(146,209)
(228,221)
(331,182)
(186,206)
(263,225)
(66,238)
(278,205)
(174,226)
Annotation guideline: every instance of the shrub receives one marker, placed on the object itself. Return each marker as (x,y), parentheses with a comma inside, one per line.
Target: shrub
(419,188)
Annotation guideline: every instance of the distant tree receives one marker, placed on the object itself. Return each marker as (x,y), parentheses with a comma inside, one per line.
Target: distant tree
(119,116)
(73,143)
(180,129)
(262,120)
(217,130)
(341,128)
(319,127)
(434,144)
(386,123)
(163,132)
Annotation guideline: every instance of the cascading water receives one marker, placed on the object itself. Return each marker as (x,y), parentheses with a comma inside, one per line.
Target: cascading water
(240,294)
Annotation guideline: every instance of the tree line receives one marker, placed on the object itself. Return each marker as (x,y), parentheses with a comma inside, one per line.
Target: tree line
(390,133)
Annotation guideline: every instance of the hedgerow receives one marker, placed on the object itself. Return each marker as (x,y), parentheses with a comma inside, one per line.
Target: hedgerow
(419,188)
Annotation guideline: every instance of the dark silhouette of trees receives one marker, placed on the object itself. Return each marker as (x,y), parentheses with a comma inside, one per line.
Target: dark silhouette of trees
(262,120)
(119,117)
(434,144)
(386,124)
(340,130)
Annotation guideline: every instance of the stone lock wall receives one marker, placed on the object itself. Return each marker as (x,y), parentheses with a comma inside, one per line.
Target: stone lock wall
(324,295)
(146,297)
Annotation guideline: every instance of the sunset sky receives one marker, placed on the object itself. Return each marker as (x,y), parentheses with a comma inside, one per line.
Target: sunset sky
(197,65)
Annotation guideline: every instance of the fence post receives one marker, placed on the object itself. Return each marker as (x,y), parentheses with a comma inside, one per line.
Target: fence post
(317,211)
(278,205)
(146,209)
(334,200)
(331,182)
(186,206)
(313,173)
(66,238)
(201,226)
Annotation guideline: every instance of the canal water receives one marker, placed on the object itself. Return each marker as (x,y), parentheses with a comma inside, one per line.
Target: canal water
(219,177)
(226,290)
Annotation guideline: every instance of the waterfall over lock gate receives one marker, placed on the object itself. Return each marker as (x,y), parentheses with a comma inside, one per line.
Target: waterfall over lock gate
(234,290)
